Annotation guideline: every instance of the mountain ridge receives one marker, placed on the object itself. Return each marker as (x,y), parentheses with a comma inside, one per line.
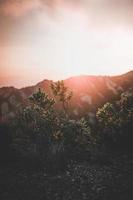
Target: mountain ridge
(89,92)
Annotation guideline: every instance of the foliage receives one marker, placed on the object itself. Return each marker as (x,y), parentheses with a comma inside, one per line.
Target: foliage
(41,100)
(63,94)
(115,120)
(38,121)
(39,111)
(54,136)
(76,132)
(76,137)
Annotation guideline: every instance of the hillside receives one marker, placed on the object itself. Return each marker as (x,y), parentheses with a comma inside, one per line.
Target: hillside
(89,93)
(44,155)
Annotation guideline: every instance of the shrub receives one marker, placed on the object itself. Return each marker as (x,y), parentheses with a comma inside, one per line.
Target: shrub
(37,121)
(63,95)
(76,136)
(115,120)
(54,136)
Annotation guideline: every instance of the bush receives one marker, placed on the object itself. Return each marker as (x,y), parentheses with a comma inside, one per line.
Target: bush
(54,137)
(115,120)
(76,136)
(36,122)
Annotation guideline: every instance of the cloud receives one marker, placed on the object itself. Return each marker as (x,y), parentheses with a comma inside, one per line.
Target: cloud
(109,12)
(100,12)
(16,8)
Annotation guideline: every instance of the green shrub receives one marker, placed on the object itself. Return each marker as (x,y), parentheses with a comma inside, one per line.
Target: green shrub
(76,136)
(53,136)
(63,95)
(115,120)
(38,122)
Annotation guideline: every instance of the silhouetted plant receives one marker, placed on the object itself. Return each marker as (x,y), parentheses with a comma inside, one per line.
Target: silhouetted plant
(63,94)
(76,137)
(115,120)
(54,136)
(38,121)
(42,101)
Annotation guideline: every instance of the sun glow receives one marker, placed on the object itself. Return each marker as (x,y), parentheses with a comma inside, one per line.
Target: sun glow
(63,46)
(78,48)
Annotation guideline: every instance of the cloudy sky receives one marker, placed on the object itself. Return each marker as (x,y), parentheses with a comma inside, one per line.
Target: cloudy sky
(56,39)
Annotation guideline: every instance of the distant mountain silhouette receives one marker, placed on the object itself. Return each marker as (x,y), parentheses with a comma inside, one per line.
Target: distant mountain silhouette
(89,93)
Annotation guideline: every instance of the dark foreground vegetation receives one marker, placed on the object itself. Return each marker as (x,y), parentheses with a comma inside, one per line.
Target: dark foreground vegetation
(49,155)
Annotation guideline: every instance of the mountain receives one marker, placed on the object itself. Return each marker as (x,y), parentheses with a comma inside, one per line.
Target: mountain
(89,93)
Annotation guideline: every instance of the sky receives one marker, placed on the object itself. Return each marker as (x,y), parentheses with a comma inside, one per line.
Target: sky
(57,39)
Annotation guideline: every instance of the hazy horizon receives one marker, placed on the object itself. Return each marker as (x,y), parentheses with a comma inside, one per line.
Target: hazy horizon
(58,39)
(18,83)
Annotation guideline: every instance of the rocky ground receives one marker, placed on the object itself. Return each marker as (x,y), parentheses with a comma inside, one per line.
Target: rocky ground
(80,181)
